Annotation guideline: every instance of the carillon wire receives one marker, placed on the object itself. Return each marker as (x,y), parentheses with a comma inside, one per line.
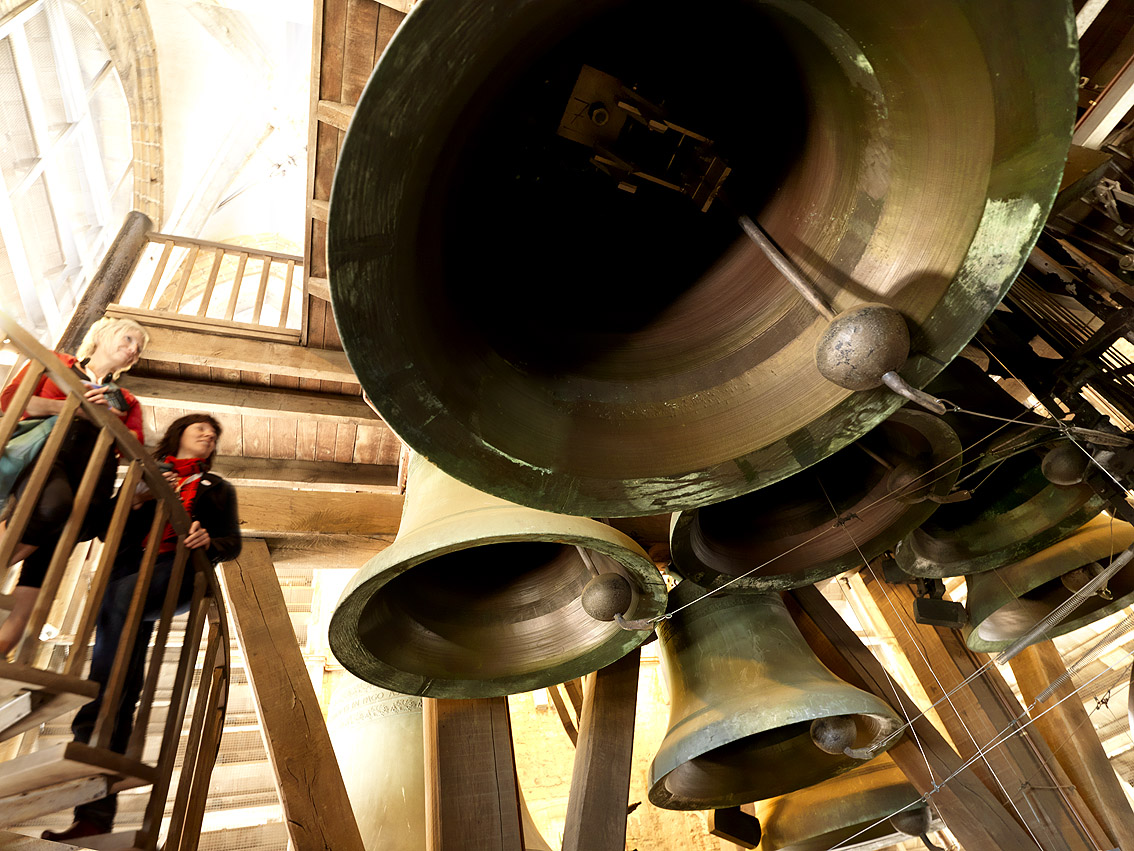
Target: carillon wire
(1087,657)
(929,667)
(998,739)
(883,500)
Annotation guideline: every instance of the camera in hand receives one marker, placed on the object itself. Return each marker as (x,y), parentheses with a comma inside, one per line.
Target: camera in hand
(115,398)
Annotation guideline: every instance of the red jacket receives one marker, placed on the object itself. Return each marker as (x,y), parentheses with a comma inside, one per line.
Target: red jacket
(45,388)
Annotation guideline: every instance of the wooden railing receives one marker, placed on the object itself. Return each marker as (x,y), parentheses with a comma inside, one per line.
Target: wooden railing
(217,287)
(34,666)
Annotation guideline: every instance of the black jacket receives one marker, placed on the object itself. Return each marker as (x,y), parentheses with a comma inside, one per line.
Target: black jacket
(215,508)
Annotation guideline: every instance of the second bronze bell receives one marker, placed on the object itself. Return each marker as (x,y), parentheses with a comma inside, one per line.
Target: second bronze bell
(843,511)
(478,597)
(754,714)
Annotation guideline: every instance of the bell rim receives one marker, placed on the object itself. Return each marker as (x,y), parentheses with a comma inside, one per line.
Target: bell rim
(1095,540)
(1082,505)
(946,448)
(883,797)
(967,300)
(412,550)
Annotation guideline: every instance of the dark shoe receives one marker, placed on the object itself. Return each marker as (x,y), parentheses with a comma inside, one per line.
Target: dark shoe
(81,828)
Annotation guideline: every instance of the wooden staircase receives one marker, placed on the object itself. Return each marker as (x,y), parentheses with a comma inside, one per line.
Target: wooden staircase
(45,681)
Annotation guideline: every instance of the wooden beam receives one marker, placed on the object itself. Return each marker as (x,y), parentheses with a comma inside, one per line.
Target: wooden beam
(1021,772)
(1066,725)
(149,319)
(319,287)
(320,210)
(204,348)
(600,781)
(472,799)
(334,113)
(316,808)
(269,511)
(255,402)
(308,475)
(967,807)
(736,826)
(109,280)
(1103,116)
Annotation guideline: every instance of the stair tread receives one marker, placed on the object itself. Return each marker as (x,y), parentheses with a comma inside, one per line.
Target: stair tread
(35,803)
(17,677)
(68,761)
(19,842)
(125,840)
(52,694)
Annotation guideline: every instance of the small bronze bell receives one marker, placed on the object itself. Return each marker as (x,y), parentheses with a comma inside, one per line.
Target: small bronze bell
(1004,604)
(844,511)
(478,597)
(754,713)
(853,808)
(1025,484)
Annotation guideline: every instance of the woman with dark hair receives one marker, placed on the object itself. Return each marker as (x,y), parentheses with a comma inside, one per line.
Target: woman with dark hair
(187,449)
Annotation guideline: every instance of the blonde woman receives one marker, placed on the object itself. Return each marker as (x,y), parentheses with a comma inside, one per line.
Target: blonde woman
(110,347)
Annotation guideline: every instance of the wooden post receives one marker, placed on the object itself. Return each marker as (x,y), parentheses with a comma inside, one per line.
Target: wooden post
(969,809)
(109,279)
(600,781)
(472,799)
(1068,729)
(1021,772)
(315,803)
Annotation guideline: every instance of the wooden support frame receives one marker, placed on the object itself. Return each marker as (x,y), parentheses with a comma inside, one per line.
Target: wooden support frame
(314,798)
(1067,727)
(472,797)
(1020,772)
(600,782)
(268,402)
(968,808)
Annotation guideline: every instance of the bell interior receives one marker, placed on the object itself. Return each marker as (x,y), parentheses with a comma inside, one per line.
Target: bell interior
(753,768)
(1013,620)
(1013,503)
(487,612)
(659,311)
(733,536)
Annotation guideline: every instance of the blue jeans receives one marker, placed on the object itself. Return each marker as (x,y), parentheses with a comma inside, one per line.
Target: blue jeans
(110,625)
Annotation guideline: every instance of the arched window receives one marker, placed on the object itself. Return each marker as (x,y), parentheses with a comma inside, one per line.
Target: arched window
(66,181)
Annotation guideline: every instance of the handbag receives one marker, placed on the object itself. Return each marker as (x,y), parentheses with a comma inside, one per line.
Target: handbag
(21,451)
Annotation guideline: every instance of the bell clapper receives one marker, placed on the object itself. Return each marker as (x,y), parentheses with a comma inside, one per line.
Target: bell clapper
(835,734)
(786,267)
(864,346)
(634,625)
(915,822)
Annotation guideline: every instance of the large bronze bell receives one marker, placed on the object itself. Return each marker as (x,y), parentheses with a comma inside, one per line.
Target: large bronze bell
(752,708)
(561,321)
(478,597)
(1005,604)
(845,510)
(854,808)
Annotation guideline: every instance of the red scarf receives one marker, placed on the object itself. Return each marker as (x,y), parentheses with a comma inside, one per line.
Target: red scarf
(189,471)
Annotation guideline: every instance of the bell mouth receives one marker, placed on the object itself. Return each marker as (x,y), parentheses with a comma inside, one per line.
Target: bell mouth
(1016,618)
(493,619)
(756,767)
(1014,513)
(1004,605)
(457,211)
(788,529)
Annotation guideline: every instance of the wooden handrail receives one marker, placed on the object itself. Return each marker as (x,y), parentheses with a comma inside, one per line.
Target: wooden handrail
(207,605)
